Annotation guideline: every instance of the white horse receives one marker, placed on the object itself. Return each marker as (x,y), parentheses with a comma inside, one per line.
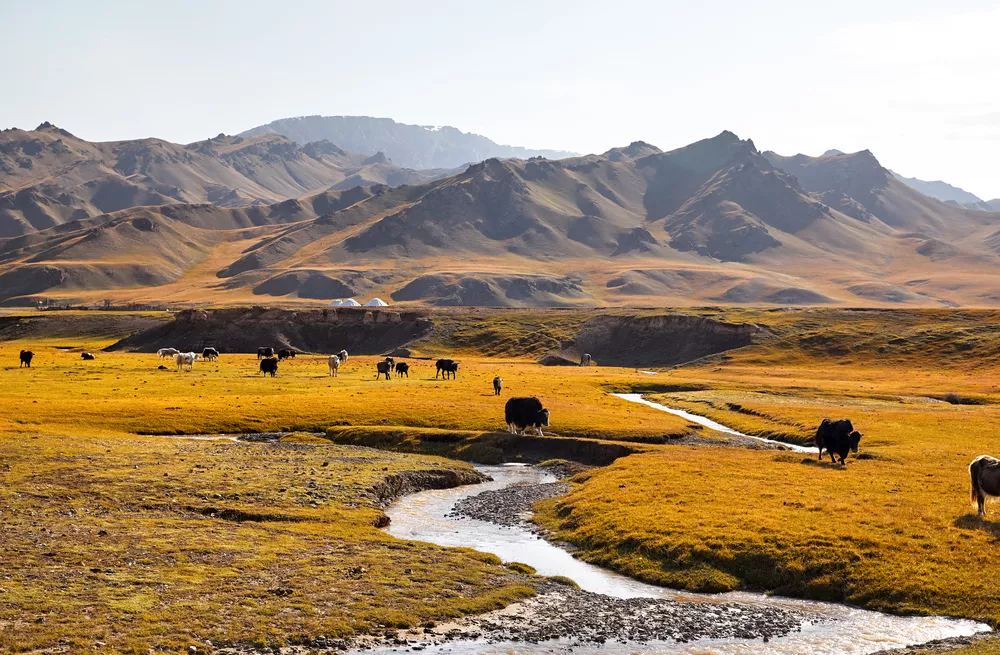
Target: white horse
(167,352)
(186,359)
(334,365)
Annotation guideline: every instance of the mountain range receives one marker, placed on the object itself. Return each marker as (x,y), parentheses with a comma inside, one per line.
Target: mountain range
(717,221)
(413,146)
(48,176)
(950,194)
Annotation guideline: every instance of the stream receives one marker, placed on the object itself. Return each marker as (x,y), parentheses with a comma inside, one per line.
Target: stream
(835,628)
(823,628)
(826,628)
(709,423)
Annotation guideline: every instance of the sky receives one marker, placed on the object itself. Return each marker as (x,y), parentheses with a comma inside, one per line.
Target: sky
(914,81)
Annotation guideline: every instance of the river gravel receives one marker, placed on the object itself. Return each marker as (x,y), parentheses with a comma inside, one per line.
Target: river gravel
(564,612)
(510,506)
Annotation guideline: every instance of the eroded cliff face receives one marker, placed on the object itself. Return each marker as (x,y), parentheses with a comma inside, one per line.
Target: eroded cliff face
(663,340)
(362,331)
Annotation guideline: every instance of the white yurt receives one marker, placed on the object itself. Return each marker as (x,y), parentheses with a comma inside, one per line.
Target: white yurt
(350,302)
(337,303)
(376,302)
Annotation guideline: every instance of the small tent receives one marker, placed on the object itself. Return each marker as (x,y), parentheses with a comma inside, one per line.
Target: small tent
(336,303)
(376,302)
(350,302)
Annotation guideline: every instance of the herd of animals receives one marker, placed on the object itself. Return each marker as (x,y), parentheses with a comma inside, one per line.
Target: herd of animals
(838,438)
(520,414)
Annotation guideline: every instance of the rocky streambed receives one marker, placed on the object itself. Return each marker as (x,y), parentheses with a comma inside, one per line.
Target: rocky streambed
(509,506)
(610,613)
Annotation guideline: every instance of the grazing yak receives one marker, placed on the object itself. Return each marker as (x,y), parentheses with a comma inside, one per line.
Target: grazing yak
(286,353)
(26,356)
(402,368)
(186,359)
(383,368)
(985,474)
(269,365)
(265,351)
(838,438)
(343,356)
(586,360)
(446,367)
(497,385)
(87,356)
(167,352)
(524,413)
(210,354)
(334,363)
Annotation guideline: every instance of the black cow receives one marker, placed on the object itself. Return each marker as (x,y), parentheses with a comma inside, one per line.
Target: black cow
(383,368)
(265,352)
(497,385)
(446,366)
(838,438)
(402,369)
(26,356)
(524,413)
(210,354)
(269,365)
(87,356)
(285,353)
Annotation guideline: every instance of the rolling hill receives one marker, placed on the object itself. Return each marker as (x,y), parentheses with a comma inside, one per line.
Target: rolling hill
(49,177)
(414,146)
(714,222)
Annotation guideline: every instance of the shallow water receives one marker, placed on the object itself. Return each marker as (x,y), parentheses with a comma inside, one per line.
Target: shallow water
(203,437)
(842,630)
(707,422)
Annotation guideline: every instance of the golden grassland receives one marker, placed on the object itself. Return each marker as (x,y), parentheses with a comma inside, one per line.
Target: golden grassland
(126,393)
(894,529)
(166,576)
(135,543)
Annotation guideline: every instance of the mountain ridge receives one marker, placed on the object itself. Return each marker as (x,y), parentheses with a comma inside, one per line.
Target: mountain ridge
(48,176)
(412,146)
(714,221)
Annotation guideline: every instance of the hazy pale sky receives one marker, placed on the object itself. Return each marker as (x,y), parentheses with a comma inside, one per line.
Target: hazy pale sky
(914,81)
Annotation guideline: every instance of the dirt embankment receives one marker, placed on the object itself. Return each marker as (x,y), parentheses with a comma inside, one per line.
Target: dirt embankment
(408,482)
(481,447)
(57,325)
(361,331)
(652,341)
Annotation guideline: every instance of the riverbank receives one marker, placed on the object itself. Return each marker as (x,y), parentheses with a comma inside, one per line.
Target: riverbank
(126,544)
(491,517)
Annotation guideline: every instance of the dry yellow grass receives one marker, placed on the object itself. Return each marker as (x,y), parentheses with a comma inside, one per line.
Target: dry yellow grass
(157,542)
(126,392)
(166,576)
(893,530)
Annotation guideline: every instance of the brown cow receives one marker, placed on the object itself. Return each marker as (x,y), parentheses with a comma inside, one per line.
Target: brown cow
(985,474)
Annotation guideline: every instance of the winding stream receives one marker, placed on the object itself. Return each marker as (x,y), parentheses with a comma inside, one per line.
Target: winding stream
(842,629)
(707,422)
(833,629)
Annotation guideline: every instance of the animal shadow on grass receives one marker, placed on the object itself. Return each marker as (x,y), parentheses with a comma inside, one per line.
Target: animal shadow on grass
(825,464)
(971,521)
